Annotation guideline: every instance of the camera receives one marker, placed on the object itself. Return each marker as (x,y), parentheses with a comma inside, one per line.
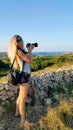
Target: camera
(35,44)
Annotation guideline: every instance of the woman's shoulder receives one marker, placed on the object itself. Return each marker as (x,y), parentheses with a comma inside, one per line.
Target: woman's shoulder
(20,49)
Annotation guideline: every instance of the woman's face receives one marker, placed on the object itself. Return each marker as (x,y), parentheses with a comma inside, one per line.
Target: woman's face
(19,42)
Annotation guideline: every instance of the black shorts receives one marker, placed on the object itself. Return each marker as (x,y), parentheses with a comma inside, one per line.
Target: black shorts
(25,78)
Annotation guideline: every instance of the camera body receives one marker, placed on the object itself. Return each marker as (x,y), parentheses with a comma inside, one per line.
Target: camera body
(29,44)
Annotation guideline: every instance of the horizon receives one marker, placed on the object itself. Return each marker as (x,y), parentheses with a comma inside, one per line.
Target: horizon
(42,53)
(45,51)
(49,23)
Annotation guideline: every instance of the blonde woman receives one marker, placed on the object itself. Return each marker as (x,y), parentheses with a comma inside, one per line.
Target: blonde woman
(16,50)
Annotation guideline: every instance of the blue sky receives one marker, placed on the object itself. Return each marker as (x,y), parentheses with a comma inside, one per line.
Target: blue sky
(48,22)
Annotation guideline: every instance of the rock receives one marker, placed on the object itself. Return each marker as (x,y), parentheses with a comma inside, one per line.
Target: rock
(4,97)
(44,86)
(28,100)
(1,87)
(3,103)
(1,110)
(43,93)
(1,127)
(7,87)
(10,94)
(56,97)
(48,101)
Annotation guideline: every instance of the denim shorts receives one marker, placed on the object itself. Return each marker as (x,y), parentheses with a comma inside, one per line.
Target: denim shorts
(25,77)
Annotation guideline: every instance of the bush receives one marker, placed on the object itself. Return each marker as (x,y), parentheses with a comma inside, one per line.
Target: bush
(39,63)
(4,67)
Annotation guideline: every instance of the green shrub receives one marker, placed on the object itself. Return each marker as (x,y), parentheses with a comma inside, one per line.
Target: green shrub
(39,63)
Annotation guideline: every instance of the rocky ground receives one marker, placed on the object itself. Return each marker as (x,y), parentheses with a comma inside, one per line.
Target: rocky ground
(33,115)
(45,92)
(37,116)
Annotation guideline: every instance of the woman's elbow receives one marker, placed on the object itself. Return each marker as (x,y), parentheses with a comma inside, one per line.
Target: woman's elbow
(29,61)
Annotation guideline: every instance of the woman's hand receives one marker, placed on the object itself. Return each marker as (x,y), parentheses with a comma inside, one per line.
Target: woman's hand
(30,48)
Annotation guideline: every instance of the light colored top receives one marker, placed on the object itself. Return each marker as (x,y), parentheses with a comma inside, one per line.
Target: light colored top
(26,65)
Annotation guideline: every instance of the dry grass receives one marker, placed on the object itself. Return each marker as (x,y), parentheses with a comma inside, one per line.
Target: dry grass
(52,121)
(41,117)
(3,79)
(57,118)
(53,68)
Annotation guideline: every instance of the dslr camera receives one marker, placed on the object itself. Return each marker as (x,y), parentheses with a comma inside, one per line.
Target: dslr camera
(29,44)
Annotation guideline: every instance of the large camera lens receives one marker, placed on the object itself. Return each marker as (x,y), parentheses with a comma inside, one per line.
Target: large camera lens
(35,44)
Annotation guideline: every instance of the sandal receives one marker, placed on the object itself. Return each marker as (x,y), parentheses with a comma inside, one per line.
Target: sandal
(17,115)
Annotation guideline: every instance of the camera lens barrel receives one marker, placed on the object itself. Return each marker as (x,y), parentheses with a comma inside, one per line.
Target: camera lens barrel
(35,44)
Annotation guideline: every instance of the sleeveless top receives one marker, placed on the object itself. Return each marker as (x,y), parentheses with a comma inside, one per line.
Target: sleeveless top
(26,65)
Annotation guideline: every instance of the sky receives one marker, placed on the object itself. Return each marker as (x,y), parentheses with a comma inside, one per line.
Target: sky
(48,22)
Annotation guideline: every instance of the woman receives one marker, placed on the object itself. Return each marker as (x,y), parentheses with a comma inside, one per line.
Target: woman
(15,50)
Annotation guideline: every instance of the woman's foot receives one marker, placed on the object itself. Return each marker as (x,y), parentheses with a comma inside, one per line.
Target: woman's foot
(17,115)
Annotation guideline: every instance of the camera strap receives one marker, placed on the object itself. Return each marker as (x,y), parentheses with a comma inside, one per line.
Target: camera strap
(15,58)
(12,63)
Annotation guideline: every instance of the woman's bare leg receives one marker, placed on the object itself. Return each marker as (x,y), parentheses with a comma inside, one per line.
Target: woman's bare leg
(17,106)
(22,99)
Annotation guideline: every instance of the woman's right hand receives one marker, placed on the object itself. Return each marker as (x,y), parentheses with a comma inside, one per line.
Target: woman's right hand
(30,48)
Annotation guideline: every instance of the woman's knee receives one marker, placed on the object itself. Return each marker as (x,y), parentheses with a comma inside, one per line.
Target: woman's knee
(22,99)
(17,101)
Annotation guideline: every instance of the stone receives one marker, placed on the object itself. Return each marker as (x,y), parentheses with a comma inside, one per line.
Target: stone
(1,110)
(3,103)
(1,87)
(43,93)
(48,101)
(56,97)
(4,97)
(10,94)
(7,87)
(61,78)
(1,127)
(28,100)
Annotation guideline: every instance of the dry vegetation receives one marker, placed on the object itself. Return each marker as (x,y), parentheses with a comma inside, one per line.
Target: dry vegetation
(58,116)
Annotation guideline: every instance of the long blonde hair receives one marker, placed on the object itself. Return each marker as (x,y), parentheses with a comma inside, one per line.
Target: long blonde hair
(12,50)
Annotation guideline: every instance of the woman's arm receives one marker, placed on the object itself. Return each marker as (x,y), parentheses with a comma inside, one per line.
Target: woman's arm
(24,57)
